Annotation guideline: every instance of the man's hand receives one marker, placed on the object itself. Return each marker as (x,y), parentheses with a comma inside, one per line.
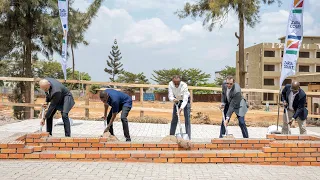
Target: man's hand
(221,106)
(175,100)
(44,105)
(226,121)
(180,110)
(285,103)
(291,121)
(42,122)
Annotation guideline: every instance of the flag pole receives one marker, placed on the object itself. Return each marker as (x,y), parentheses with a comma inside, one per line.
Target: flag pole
(278,109)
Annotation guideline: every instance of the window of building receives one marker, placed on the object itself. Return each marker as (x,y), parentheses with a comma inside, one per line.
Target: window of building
(247,56)
(281,53)
(286,81)
(318,55)
(304,54)
(304,83)
(267,96)
(303,68)
(318,69)
(269,53)
(268,67)
(247,81)
(269,82)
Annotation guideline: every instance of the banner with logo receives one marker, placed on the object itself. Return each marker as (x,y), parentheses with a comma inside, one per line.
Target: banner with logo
(63,11)
(293,41)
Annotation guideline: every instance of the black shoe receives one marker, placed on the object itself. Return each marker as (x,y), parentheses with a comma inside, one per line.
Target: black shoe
(128,140)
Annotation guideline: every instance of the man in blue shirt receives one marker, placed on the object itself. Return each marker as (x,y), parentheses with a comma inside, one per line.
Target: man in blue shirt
(118,101)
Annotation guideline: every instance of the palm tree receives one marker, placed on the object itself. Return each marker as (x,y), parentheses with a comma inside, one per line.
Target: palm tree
(216,11)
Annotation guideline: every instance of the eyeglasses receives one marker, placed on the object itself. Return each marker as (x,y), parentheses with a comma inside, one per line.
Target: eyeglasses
(229,83)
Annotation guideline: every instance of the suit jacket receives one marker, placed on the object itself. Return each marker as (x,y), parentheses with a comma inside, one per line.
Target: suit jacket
(57,97)
(237,103)
(298,102)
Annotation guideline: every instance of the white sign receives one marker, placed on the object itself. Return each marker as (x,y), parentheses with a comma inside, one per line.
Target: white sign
(63,11)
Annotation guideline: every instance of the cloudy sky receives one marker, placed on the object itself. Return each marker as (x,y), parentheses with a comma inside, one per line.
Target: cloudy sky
(151,36)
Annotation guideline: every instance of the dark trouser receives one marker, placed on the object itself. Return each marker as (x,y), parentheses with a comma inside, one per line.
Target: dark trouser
(174,122)
(66,123)
(242,125)
(124,114)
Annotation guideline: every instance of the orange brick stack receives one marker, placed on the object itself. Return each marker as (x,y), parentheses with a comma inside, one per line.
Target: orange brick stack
(276,149)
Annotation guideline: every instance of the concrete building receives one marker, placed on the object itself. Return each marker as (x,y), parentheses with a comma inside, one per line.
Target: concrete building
(263,66)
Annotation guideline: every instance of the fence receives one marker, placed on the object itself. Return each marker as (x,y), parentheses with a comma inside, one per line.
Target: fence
(87,96)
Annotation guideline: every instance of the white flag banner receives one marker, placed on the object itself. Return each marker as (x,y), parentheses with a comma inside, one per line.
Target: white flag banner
(293,41)
(63,11)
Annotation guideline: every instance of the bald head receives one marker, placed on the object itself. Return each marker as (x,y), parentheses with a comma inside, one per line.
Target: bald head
(104,96)
(44,85)
(295,86)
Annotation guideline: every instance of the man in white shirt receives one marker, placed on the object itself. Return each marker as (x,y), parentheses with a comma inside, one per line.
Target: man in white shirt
(178,93)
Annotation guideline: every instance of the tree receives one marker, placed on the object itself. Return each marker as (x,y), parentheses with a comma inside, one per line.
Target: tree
(191,76)
(216,11)
(227,71)
(114,63)
(128,77)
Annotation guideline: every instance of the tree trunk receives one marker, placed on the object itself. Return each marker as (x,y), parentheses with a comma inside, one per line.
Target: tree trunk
(242,73)
(72,61)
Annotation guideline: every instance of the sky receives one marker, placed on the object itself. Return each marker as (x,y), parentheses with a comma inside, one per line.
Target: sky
(151,37)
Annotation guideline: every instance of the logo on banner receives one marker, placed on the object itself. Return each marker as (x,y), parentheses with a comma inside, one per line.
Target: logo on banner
(293,44)
(298,3)
(63,54)
(295,24)
(288,65)
(63,13)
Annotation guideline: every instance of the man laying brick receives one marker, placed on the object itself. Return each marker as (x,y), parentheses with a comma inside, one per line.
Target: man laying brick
(60,99)
(294,99)
(118,101)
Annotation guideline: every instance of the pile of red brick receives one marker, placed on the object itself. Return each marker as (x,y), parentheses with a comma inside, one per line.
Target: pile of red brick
(275,149)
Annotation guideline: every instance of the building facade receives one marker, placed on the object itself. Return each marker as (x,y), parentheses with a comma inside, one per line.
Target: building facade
(263,66)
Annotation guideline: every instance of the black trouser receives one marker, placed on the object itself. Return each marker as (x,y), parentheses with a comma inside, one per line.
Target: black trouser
(66,123)
(124,114)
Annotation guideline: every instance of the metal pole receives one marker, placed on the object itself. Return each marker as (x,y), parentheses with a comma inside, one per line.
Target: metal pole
(278,108)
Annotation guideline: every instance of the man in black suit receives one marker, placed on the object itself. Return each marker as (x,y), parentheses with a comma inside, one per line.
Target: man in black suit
(60,99)
(294,99)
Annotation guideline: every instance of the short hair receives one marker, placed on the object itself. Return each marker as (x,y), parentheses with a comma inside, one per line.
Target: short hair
(230,77)
(44,82)
(176,77)
(103,94)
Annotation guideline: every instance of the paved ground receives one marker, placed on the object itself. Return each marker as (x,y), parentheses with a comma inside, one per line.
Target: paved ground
(139,131)
(33,170)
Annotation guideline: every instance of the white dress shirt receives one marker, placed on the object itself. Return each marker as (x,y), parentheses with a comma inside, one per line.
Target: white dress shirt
(291,99)
(179,93)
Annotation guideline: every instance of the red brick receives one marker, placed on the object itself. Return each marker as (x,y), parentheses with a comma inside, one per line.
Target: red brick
(291,163)
(217,141)
(123,156)
(145,160)
(155,149)
(229,160)
(167,149)
(235,145)
(211,146)
(310,150)
(259,145)
(63,156)
(136,145)
(93,140)
(54,140)
(317,145)
(150,145)
(216,160)
(66,149)
(247,145)
(276,144)
(117,149)
(271,136)
(281,137)
(152,155)
(22,138)
(223,155)
(93,156)
(79,149)
(305,137)
(42,140)
(97,145)
(303,154)
(264,154)
(199,146)
(304,163)
(164,145)
(181,155)
(251,155)
(310,159)
(297,159)
(78,156)
(257,159)
(244,160)
(123,145)
(291,144)
(79,140)
(47,156)
(45,144)
(277,163)
(297,149)
(277,154)
(166,155)
(34,136)
(44,134)
(16,156)
(202,160)
(85,144)
(210,155)
(174,160)
(291,155)
(92,149)
(237,154)
(131,160)
(37,149)
(3,146)
(16,145)
(188,160)
(107,156)
(3,156)
(173,145)
(32,156)
(52,148)
(253,141)
(29,140)
(315,154)
(72,144)
(103,139)
(196,155)
(9,151)
(160,160)
(126,149)
(271,159)
(268,149)
(223,145)
(293,137)
(59,144)
(304,145)
(284,150)
(138,155)
(284,159)
(25,150)
(265,141)
(315,163)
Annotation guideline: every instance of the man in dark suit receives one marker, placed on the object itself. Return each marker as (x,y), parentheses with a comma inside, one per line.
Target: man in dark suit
(232,101)
(118,101)
(294,99)
(60,99)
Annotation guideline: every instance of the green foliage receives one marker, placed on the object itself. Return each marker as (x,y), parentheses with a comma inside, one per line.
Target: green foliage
(205,91)
(94,88)
(128,77)
(114,63)
(192,76)
(227,71)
